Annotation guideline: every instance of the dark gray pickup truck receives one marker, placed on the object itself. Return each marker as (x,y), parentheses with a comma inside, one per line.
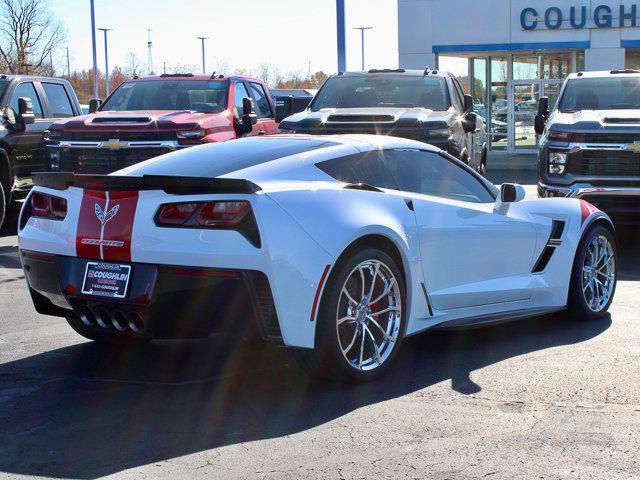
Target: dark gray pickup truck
(426,105)
(590,143)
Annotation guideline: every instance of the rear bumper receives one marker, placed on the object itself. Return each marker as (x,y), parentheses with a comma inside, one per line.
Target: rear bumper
(162,301)
(621,203)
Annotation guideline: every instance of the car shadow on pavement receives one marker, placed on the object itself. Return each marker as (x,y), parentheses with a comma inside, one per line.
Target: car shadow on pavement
(10,224)
(86,410)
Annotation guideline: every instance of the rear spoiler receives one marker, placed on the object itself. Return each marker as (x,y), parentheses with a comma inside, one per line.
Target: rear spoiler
(170,184)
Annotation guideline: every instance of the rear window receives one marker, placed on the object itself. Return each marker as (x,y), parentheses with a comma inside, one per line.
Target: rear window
(224,157)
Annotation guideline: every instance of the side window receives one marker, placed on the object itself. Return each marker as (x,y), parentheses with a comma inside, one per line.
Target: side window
(368,167)
(58,100)
(457,99)
(459,91)
(27,90)
(241,92)
(431,174)
(263,109)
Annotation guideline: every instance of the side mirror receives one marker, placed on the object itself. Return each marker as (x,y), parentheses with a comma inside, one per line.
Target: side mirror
(94,105)
(249,118)
(511,192)
(25,111)
(284,107)
(9,116)
(470,122)
(542,115)
(468,104)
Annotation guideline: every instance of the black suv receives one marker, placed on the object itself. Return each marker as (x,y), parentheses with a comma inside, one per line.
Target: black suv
(425,105)
(29,106)
(590,143)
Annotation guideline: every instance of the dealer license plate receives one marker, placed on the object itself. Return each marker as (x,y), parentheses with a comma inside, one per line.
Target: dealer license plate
(106,279)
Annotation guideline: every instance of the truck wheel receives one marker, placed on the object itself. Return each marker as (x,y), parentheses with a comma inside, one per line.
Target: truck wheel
(3,205)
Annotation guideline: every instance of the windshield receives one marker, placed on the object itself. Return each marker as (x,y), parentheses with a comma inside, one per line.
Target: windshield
(613,93)
(382,91)
(206,96)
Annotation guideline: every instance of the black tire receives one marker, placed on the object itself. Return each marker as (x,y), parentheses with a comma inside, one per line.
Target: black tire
(3,205)
(577,305)
(106,337)
(326,360)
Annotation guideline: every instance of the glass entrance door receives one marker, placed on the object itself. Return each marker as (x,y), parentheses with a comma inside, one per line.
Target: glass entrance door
(524,96)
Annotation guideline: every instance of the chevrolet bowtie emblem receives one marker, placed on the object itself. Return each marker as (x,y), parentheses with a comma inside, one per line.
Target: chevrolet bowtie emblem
(105,217)
(634,147)
(114,143)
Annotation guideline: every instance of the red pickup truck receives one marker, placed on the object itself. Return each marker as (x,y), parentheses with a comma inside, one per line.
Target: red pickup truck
(149,116)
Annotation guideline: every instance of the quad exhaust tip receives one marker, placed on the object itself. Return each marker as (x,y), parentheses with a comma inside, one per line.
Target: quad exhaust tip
(118,319)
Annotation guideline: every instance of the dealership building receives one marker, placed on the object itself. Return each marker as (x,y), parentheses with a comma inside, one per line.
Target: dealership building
(518,50)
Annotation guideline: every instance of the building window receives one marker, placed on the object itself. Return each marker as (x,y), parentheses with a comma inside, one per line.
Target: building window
(632,58)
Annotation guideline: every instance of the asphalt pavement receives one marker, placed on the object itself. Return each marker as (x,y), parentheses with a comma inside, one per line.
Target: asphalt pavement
(551,397)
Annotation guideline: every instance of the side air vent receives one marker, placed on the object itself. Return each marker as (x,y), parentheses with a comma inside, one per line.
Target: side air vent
(557,229)
(542,262)
(360,118)
(127,119)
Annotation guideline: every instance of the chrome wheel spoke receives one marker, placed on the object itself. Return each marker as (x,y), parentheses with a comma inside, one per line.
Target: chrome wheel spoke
(375,345)
(386,292)
(348,295)
(598,273)
(352,343)
(389,309)
(387,337)
(373,280)
(361,281)
(344,319)
(361,348)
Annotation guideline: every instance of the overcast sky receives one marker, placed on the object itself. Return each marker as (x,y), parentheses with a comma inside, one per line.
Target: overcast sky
(243,33)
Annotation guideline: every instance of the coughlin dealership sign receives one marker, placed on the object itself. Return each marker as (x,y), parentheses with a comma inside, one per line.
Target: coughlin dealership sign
(580,16)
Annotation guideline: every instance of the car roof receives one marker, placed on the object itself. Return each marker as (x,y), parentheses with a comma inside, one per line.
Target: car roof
(188,76)
(32,77)
(396,71)
(249,154)
(606,74)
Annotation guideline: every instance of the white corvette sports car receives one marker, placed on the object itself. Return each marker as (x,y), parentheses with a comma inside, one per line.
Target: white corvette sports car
(339,246)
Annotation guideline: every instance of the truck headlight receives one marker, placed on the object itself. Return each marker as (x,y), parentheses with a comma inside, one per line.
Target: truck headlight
(54,160)
(191,134)
(557,163)
(438,133)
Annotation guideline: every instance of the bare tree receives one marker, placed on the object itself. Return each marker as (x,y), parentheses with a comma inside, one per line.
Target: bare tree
(133,67)
(28,36)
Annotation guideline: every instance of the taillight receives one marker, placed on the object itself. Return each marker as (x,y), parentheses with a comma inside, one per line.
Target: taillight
(47,206)
(224,214)
(175,213)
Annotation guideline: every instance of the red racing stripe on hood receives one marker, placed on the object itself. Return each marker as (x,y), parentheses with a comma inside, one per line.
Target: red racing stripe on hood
(105,225)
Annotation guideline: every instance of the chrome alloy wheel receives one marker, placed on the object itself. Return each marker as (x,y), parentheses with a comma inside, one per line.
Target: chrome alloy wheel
(369,315)
(598,273)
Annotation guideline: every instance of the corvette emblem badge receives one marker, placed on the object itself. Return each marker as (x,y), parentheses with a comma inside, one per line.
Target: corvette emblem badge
(105,217)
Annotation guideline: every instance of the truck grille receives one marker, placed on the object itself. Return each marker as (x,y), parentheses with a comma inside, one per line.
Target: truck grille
(102,160)
(614,163)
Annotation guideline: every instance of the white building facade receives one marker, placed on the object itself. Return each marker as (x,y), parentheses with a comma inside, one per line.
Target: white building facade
(519,50)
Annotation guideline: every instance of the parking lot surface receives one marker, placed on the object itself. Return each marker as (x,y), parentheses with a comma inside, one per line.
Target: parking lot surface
(551,397)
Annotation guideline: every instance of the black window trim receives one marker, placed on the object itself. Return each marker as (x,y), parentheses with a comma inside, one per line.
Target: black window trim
(247,89)
(266,96)
(46,97)
(457,95)
(39,93)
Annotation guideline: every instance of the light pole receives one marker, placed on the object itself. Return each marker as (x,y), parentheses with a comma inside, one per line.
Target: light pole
(362,29)
(106,59)
(202,39)
(340,33)
(95,58)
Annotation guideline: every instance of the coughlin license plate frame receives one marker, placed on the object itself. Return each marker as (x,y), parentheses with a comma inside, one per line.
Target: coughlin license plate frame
(112,280)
